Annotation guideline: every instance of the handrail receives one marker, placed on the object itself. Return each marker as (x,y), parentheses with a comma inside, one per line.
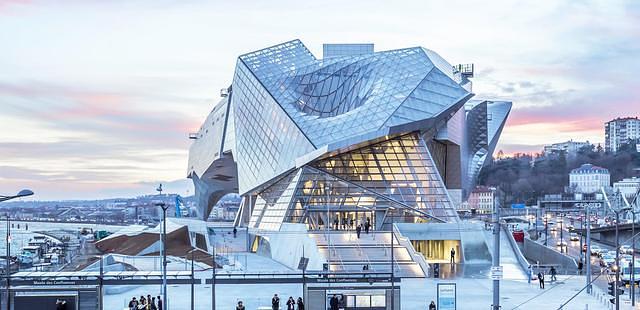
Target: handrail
(416,257)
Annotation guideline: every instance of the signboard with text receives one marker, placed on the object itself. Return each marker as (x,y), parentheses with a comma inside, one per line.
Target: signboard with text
(446,296)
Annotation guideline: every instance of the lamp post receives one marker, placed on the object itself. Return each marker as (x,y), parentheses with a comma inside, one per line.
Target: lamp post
(561,239)
(546,229)
(496,251)
(326,228)
(164,207)
(617,265)
(22,193)
(633,258)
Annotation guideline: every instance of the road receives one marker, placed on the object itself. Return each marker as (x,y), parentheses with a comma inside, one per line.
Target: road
(573,249)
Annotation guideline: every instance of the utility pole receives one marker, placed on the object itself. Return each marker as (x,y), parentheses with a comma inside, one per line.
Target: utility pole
(496,252)
(617,260)
(588,252)
(8,262)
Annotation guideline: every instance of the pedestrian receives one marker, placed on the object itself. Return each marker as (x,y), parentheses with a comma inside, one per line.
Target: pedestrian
(275,302)
(152,304)
(133,304)
(61,304)
(240,306)
(432,305)
(541,279)
(344,223)
(148,302)
(351,223)
(580,265)
(291,303)
(336,224)
(235,231)
(453,255)
(553,274)
(358,230)
(334,303)
(300,304)
(159,303)
(367,225)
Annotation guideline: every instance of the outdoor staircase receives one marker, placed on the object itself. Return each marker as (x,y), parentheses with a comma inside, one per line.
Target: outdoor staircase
(350,254)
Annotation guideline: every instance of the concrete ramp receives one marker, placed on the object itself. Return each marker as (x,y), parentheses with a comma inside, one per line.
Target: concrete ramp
(511,267)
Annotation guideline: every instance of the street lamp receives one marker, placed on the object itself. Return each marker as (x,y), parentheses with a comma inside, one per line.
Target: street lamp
(617,265)
(22,193)
(561,239)
(547,216)
(164,207)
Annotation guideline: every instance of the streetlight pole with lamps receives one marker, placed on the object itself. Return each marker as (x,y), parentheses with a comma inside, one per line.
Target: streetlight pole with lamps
(163,248)
(22,193)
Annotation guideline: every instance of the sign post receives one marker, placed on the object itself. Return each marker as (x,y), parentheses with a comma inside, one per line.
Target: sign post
(446,296)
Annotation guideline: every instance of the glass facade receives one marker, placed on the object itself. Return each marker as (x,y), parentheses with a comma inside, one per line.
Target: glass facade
(368,135)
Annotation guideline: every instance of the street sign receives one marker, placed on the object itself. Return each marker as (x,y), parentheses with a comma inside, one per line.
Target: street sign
(446,296)
(518,206)
(302,264)
(496,273)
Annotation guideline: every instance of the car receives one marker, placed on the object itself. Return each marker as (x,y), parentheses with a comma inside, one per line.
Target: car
(607,260)
(574,237)
(571,228)
(626,249)
(595,250)
(561,243)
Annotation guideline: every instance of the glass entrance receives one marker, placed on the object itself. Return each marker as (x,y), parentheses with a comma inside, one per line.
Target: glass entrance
(358,300)
(341,220)
(438,251)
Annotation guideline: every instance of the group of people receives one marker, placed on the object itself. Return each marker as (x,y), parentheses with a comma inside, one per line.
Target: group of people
(275,303)
(366,226)
(148,303)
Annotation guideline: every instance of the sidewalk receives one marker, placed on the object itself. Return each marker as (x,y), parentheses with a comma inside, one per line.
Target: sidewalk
(514,294)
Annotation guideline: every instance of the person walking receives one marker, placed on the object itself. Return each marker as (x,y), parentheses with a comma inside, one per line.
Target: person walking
(240,306)
(334,303)
(351,223)
(160,303)
(300,304)
(432,305)
(367,225)
(541,279)
(553,274)
(152,304)
(148,302)
(275,302)
(235,231)
(529,274)
(291,303)
(453,256)
(358,230)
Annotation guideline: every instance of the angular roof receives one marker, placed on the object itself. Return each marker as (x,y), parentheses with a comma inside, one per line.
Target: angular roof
(589,168)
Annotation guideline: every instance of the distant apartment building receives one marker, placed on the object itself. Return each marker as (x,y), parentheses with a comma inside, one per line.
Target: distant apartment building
(481,200)
(570,148)
(589,179)
(628,187)
(621,131)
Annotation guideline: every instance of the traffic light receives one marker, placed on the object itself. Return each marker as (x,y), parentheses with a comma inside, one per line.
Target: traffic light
(611,289)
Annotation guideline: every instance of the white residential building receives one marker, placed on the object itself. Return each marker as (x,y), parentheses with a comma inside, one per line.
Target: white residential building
(629,186)
(570,147)
(620,131)
(589,178)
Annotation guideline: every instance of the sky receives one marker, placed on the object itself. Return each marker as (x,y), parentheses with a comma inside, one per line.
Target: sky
(97,97)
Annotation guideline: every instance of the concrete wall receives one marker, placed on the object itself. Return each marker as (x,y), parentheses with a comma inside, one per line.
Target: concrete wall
(474,245)
(536,252)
